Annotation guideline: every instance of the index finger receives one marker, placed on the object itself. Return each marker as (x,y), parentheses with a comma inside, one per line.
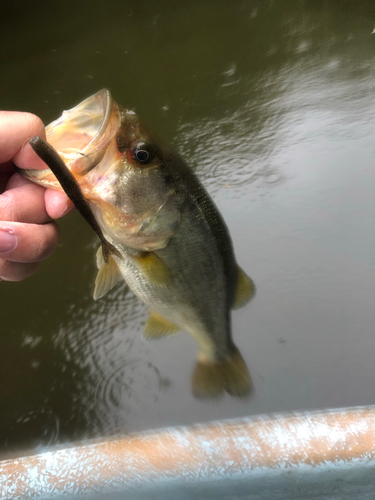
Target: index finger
(16,128)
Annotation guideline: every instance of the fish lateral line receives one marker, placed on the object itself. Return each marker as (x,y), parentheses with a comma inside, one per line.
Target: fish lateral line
(72,189)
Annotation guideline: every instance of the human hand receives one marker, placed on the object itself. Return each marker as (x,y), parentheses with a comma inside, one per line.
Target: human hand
(27,232)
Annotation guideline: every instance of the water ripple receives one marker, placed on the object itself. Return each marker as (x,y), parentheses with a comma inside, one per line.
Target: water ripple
(130,384)
(103,339)
(43,419)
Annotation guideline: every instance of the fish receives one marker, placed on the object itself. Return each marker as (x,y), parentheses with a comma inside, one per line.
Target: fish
(160,232)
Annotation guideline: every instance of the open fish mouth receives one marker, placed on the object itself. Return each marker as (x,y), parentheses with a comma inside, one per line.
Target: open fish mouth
(81,136)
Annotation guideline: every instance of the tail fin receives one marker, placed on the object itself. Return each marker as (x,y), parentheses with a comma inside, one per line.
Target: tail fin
(210,379)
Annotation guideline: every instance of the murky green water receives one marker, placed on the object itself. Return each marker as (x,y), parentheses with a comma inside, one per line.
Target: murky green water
(273,104)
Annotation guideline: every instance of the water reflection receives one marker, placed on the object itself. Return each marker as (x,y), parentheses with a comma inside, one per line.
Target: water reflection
(42,418)
(234,164)
(104,340)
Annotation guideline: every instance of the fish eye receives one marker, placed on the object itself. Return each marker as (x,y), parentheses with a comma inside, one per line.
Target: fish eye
(142,153)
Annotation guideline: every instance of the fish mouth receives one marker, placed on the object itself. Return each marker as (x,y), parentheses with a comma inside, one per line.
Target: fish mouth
(81,137)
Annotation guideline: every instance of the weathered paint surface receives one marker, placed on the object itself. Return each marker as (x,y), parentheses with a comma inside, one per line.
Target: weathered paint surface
(296,456)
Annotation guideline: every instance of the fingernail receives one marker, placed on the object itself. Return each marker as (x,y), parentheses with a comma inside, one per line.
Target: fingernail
(8,240)
(68,207)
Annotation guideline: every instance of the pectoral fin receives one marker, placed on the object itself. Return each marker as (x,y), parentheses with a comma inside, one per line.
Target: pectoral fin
(245,289)
(157,327)
(153,268)
(107,277)
(99,258)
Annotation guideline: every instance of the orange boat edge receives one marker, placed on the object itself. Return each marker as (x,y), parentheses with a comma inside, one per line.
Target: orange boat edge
(306,455)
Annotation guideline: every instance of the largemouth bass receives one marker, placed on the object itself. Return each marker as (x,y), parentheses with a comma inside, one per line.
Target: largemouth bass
(160,232)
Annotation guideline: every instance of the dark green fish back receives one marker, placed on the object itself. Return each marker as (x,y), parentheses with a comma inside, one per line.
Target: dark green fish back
(214,220)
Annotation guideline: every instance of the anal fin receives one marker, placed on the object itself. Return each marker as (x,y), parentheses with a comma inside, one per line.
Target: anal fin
(245,289)
(157,327)
(207,380)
